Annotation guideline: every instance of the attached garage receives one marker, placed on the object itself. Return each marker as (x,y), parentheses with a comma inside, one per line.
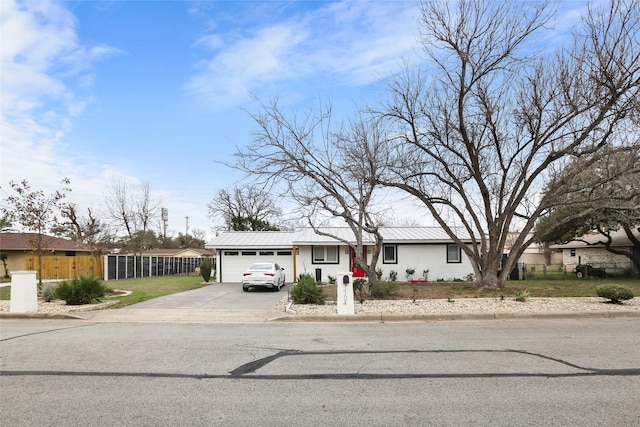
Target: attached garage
(237,250)
(233,262)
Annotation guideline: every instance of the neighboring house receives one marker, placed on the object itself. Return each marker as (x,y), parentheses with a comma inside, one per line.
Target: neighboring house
(590,249)
(305,252)
(62,258)
(155,262)
(181,253)
(536,253)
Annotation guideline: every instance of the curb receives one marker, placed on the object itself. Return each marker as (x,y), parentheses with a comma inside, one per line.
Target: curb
(457,316)
(5,315)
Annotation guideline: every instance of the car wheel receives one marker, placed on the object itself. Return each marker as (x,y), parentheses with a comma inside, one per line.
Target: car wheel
(579,274)
(245,289)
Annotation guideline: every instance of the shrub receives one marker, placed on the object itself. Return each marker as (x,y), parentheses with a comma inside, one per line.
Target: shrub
(307,291)
(49,292)
(332,279)
(393,275)
(410,271)
(615,294)
(359,287)
(379,274)
(205,270)
(383,290)
(83,290)
(523,296)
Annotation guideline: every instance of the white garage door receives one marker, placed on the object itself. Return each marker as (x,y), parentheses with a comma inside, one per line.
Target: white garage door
(235,262)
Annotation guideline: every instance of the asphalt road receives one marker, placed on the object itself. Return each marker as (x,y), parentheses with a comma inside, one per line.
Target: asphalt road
(500,373)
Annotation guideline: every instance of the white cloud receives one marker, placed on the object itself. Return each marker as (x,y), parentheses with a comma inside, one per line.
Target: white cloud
(353,42)
(43,69)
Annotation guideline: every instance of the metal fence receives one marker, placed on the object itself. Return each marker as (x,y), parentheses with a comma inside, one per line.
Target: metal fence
(559,271)
(117,267)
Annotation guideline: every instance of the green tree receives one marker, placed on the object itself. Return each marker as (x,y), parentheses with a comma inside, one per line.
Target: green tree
(248,208)
(38,212)
(602,195)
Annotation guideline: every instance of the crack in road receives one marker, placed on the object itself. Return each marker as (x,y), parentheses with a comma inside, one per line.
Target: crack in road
(247,370)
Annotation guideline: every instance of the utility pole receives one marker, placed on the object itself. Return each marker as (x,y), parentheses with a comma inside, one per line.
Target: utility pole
(187,231)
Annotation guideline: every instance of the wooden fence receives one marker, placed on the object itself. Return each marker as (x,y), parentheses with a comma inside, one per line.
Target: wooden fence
(67,267)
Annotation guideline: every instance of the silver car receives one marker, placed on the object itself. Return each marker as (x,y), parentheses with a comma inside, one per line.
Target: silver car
(265,274)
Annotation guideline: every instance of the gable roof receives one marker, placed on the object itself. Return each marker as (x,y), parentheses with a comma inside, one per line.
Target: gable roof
(307,236)
(22,242)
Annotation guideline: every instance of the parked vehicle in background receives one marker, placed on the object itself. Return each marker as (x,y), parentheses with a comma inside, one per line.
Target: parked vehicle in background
(265,274)
(587,270)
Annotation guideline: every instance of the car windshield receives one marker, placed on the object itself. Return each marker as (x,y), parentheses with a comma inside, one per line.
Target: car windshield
(261,266)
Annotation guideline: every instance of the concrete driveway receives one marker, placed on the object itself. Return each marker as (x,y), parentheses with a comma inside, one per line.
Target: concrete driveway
(219,303)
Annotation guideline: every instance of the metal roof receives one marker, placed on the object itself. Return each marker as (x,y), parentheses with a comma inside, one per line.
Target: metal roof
(249,239)
(618,239)
(307,236)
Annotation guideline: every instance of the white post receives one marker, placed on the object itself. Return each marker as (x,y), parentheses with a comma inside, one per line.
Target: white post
(24,292)
(344,297)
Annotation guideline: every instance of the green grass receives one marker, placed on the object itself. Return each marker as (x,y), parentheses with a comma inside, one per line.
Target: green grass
(141,289)
(151,287)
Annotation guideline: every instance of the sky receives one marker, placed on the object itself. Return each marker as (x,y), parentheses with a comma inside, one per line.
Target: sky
(160,92)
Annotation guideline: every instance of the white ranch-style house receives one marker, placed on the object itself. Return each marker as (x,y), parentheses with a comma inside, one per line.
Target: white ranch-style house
(305,252)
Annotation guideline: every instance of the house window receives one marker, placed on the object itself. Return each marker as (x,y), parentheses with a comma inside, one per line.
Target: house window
(453,254)
(573,251)
(266,253)
(389,254)
(231,253)
(70,253)
(248,253)
(325,254)
(282,253)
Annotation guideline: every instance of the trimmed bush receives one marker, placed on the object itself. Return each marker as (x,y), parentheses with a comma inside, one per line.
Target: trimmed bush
(615,294)
(49,292)
(205,270)
(307,291)
(83,290)
(383,290)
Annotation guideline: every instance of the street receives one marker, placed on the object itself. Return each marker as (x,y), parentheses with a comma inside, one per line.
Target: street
(516,372)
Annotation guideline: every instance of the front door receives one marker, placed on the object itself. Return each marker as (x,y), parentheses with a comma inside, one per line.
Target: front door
(357,271)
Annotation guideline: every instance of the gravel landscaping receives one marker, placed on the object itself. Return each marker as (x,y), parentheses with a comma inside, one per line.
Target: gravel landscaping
(406,307)
(468,306)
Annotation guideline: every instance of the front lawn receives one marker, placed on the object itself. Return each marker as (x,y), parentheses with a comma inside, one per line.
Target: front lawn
(142,289)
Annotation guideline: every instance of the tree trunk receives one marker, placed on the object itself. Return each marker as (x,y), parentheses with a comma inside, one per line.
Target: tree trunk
(490,279)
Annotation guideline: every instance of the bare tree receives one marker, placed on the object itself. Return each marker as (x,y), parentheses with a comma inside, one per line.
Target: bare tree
(245,208)
(330,174)
(36,211)
(478,134)
(134,211)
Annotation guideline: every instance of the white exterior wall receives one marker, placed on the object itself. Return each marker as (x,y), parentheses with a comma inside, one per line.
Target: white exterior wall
(304,263)
(426,257)
(598,257)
